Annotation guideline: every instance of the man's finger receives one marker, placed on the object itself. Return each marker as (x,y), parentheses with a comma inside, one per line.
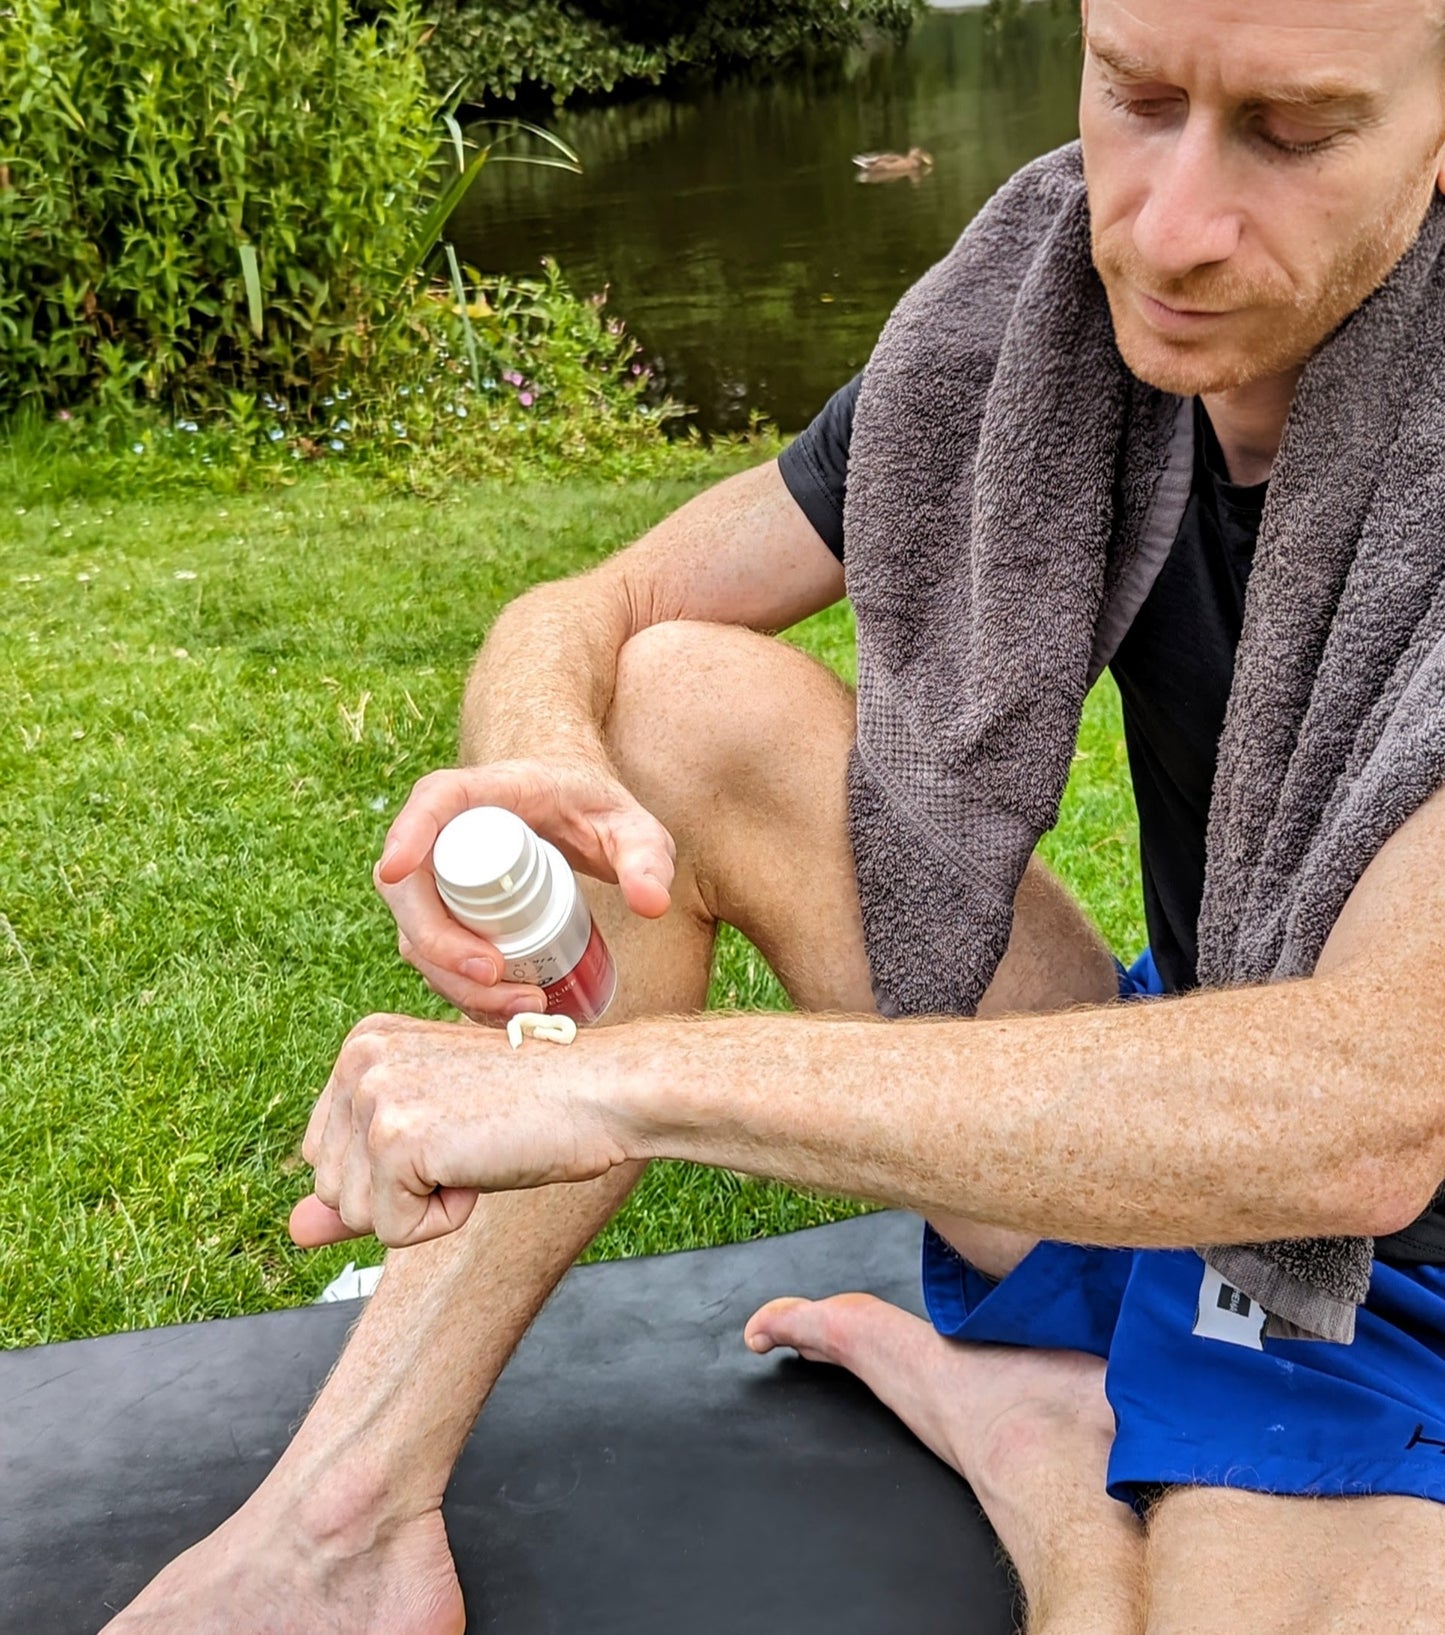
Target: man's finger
(429,932)
(313,1225)
(316,1126)
(403,1218)
(331,1150)
(354,1201)
(493,1005)
(642,855)
(434,801)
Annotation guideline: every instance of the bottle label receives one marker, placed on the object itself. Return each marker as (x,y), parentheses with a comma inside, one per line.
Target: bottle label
(587,989)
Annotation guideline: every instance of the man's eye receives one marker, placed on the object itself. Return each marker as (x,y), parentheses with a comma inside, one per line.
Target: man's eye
(1140,105)
(1295,140)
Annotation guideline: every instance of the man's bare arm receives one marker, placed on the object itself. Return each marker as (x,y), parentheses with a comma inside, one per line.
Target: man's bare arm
(742,553)
(1296,1109)
(533,719)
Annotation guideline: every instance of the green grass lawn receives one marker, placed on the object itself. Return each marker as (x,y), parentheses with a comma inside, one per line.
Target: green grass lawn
(210,709)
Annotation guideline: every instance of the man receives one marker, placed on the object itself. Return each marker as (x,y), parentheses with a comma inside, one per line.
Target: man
(1252,181)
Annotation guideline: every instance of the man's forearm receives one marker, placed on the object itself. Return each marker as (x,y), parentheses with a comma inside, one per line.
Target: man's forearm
(544,679)
(1224,1117)
(740,553)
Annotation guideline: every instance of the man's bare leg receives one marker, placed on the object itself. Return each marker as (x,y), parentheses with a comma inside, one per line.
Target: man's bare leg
(737,743)
(1030,1431)
(1221,1561)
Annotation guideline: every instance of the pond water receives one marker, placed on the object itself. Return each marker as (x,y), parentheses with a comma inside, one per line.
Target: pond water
(729,224)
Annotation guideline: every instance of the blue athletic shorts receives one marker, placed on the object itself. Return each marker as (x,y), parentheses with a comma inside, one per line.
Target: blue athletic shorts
(1294,1417)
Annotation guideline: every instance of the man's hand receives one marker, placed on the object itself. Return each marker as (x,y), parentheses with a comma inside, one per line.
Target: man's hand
(419,1117)
(582,809)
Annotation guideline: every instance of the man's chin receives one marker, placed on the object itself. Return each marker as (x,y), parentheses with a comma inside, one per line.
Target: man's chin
(1192,370)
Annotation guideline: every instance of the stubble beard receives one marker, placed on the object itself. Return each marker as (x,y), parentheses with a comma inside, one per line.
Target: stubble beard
(1279,328)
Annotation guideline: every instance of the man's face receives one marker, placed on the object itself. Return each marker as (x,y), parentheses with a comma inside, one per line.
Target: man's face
(1254,171)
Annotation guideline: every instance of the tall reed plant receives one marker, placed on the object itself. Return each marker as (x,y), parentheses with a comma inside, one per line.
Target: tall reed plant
(205,198)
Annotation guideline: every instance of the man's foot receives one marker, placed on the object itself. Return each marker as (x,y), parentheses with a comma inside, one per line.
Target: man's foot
(1024,1428)
(251,1577)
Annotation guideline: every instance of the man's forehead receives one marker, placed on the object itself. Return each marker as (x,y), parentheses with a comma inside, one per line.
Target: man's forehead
(1303,53)
(1278,84)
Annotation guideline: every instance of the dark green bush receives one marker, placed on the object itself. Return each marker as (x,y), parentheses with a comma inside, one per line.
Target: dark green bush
(502,49)
(200,196)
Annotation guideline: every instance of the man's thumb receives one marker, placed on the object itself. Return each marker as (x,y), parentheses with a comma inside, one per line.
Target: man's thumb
(641,853)
(313,1225)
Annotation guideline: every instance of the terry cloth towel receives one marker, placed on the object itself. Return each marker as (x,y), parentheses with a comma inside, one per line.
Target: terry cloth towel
(1012,492)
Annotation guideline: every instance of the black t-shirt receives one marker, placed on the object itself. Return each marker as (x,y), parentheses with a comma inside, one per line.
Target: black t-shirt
(1174,667)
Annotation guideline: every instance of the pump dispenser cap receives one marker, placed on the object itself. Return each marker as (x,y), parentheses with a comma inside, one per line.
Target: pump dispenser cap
(493,873)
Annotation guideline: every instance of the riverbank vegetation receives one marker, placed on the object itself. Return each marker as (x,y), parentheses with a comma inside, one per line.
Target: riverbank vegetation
(224,219)
(221,236)
(211,706)
(555,49)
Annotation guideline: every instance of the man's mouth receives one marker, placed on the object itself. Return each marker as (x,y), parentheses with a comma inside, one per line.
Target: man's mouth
(1172,319)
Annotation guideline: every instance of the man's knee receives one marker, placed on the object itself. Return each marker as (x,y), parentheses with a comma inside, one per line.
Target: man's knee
(718,711)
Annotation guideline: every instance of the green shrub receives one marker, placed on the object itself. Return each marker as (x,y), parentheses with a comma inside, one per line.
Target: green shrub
(205,196)
(549,385)
(501,49)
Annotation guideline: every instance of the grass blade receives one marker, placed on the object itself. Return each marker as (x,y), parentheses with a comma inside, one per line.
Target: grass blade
(537,160)
(251,272)
(67,107)
(433,224)
(457,141)
(514,127)
(459,290)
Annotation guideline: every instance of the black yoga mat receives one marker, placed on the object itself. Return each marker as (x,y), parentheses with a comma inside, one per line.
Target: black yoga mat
(637,1472)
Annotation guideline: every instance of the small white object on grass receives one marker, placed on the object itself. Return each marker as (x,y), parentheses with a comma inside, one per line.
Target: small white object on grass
(556,1030)
(353,1283)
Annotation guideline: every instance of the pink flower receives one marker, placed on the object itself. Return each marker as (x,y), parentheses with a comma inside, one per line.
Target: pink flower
(526,400)
(64,414)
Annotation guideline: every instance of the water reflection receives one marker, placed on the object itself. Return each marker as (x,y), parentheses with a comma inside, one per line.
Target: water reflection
(730,227)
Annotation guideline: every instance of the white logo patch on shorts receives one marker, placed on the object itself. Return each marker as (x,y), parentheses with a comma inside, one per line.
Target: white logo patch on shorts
(1226,1313)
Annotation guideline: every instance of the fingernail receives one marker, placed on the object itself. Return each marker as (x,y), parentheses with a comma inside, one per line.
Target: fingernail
(524,1006)
(480,970)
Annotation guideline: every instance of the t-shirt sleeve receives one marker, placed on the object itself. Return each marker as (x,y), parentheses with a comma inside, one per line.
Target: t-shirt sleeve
(814,466)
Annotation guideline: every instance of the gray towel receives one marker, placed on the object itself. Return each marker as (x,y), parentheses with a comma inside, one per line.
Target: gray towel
(1012,493)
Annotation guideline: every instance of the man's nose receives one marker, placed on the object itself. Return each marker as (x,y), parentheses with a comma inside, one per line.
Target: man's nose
(1188,219)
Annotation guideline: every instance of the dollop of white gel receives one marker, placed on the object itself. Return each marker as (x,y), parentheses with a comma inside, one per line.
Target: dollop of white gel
(555,1030)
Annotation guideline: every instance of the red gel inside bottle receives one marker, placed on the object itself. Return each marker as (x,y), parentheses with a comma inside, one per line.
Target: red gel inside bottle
(587,989)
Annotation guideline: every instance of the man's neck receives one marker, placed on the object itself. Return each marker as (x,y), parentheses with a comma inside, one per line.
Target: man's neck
(1249,423)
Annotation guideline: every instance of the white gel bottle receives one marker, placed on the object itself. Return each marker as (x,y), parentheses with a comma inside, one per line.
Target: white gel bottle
(510,886)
